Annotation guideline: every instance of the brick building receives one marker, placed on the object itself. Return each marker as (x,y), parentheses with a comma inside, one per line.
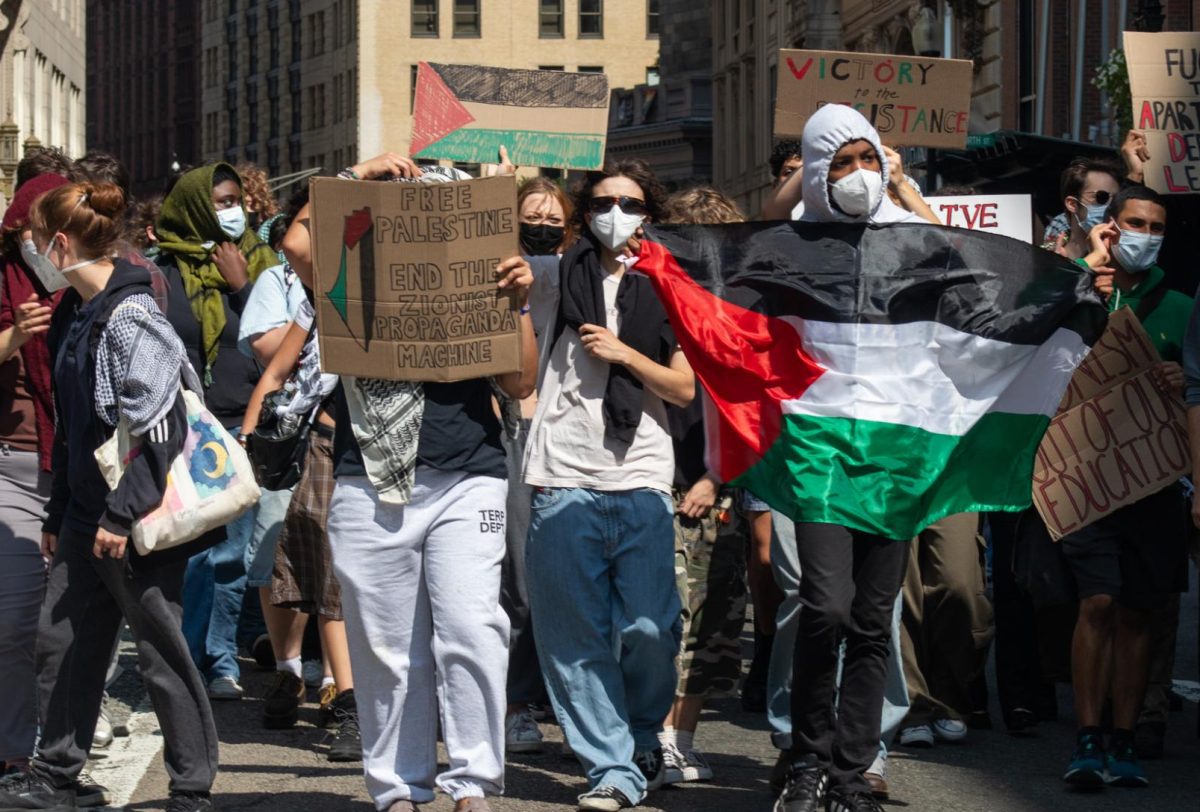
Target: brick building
(143,81)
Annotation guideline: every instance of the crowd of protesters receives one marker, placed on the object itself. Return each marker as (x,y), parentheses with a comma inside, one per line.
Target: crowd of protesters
(483,557)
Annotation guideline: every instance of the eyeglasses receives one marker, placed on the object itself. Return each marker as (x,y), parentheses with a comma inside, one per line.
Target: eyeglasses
(1101,197)
(629,205)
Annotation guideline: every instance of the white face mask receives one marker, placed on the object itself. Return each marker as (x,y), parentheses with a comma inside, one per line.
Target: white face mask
(52,278)
(233,221)
(615,227)
(858,193)
(1137,251)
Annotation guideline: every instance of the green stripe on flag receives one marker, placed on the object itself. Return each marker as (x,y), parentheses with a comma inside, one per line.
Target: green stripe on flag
(525,147)
(894,480)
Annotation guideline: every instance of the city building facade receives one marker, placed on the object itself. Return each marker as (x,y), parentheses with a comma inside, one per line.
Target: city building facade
(42,79)
(144,83)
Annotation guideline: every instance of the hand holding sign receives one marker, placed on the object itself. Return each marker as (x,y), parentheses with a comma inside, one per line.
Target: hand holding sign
(389,164)
(1135,153)
(1165,86)
(516,273)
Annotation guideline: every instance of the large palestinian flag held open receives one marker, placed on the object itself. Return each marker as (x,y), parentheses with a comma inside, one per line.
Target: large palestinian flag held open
(876,377)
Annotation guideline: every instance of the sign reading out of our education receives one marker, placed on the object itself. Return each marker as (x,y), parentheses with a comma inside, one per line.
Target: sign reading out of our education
(1164,80)
(1117,437)
(405,275)
(1009,215)
(911,100)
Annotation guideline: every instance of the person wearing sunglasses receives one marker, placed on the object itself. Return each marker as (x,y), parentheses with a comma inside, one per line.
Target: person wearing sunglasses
(600,555)
(1087,187)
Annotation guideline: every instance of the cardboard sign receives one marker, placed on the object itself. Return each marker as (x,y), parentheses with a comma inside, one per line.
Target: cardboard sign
(544,118)
(405,276)
(1117,438)
(1010,215)
(1164,80)
(916,101)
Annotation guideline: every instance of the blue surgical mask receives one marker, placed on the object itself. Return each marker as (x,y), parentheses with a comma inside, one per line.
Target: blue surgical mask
(1095,215)
(233,221)
(1137,250)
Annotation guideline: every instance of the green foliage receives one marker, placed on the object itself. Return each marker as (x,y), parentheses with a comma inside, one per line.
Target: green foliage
(1112,78)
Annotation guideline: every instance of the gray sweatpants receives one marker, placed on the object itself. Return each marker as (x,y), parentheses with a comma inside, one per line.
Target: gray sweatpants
(23,494)
(86,598)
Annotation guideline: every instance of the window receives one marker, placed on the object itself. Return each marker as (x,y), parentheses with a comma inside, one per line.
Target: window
(339,82)
(316,33)
(652,76)
(424,18)
(550,19)
(466,18)
(412,84)
(591,19)
(591,69)
(551,67)
(651,19)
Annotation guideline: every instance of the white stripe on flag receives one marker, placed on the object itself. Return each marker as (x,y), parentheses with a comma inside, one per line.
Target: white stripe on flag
(930,376)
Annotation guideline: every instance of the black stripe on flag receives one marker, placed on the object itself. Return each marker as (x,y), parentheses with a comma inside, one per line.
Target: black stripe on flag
(991,286)
(524,88)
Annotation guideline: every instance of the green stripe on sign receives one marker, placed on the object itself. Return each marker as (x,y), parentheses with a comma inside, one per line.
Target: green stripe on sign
(525,148)
(895,480)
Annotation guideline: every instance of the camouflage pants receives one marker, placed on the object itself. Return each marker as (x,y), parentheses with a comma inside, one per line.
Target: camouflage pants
(710,572)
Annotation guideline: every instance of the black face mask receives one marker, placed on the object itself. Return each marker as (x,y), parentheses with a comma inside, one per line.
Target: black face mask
(540,239)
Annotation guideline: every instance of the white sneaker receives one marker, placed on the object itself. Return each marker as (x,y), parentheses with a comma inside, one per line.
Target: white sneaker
(684,767)
(103,736)
(224,688)
(313,672)
(916,736)
(521,733)
(950,730)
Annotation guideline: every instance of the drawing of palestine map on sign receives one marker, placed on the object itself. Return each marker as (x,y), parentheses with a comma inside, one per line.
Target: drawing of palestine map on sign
(544,118)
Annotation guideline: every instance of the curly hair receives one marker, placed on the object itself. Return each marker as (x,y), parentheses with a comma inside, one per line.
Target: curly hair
(256,191)
(702,205)
(45,161)
(637,171)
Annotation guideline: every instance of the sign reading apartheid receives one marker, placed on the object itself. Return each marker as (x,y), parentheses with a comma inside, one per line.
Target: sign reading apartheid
(1118,436)
(544,117)
(405,276)
(916,101)
(1164,81)
(1009,215)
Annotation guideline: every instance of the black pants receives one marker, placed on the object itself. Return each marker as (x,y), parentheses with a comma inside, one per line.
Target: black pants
(86,599)
(848,587)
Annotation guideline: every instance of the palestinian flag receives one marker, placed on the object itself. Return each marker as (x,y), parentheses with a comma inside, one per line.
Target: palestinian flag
(876,377)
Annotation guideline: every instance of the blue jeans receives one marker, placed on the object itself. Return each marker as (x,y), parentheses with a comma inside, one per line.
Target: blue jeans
(786,566)
(601,570)
(213,588)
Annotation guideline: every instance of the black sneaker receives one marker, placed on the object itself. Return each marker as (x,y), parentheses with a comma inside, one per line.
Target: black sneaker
(190,802)
(604,799)
(805,788)
(650,762)
(25,790)
(842,801)
(88,793)
(347,740)
(262,652)
(282,703)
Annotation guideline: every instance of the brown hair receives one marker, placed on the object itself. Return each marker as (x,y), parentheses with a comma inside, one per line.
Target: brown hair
(1074,177)
(257,192)
(637,171)
(45,161)
(141,215)
(701,205)
(541,185)
(92,213)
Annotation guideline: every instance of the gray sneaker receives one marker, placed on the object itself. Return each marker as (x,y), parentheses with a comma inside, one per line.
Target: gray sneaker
(224,688)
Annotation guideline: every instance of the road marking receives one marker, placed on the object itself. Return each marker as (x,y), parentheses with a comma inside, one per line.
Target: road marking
(128,758)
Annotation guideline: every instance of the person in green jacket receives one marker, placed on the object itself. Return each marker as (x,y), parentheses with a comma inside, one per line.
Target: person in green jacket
(1126,564)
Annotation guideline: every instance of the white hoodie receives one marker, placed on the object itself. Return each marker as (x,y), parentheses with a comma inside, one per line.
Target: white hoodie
(827,131)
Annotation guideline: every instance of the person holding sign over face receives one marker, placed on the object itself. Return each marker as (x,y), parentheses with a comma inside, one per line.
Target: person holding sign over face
(600,558)
(1126,564)
(418,536)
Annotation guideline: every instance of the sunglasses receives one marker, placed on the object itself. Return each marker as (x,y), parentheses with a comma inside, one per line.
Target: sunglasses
(1101,198)
(629,205)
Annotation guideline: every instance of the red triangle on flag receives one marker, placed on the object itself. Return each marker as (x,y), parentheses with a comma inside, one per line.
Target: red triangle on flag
(437,111)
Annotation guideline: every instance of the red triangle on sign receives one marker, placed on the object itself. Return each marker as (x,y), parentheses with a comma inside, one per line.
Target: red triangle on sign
(437,111)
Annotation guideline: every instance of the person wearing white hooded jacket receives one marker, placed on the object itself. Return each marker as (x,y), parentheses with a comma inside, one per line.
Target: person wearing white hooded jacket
(850,579)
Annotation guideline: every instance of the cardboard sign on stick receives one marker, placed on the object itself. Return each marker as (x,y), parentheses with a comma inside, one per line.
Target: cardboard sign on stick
(544,118)
(405,278)
(1009,215)
(1117,437)
(915,101)
(1165,84)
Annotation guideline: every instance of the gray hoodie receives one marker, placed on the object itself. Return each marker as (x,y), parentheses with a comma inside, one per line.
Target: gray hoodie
(827,131)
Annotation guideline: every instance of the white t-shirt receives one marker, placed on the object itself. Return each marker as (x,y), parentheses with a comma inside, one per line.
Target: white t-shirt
(567,447)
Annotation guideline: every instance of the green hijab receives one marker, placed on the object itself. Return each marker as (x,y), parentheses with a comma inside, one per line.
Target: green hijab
(188,230)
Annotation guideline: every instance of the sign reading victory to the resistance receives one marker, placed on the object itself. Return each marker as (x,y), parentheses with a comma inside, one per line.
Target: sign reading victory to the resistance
(1118,435)
(1164,80)
(1009,215)
(543,117)
(406,278)
(911,100)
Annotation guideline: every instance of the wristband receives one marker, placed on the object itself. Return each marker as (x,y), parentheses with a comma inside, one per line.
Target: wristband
(523,311)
